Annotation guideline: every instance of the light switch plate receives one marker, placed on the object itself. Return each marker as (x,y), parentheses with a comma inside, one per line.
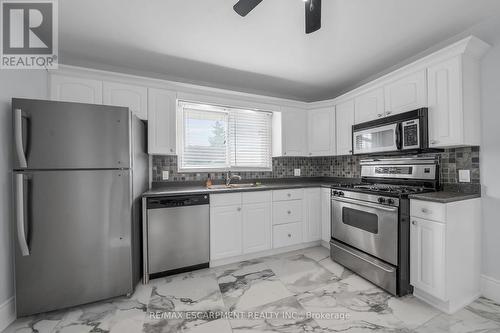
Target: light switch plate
(464,176)
(164,175)
(296,172)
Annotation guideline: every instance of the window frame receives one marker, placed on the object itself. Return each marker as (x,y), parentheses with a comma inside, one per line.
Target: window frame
(221,109)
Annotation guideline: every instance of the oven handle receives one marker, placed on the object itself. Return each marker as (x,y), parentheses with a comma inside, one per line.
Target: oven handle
(388,270)
(366,204)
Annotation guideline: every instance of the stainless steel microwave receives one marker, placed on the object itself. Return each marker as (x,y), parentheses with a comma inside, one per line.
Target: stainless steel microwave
(406,131)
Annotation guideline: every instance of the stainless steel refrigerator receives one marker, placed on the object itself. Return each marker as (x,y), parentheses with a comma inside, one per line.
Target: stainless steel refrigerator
(79,173)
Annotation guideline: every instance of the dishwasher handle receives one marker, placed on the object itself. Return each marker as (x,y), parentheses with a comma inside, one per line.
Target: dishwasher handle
(177,201)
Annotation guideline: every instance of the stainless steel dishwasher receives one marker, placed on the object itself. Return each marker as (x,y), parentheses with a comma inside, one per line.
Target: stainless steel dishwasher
(175,235)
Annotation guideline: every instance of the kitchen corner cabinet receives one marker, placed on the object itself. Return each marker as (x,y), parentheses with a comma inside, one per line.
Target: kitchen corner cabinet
(162,121)
(445,252)
(75,89)
(294,131)
(133,97)
(344,121)
(312,214)
(369,106)
(321,131)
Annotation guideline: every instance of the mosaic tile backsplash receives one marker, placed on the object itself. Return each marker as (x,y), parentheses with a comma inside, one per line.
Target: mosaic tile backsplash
(347,166)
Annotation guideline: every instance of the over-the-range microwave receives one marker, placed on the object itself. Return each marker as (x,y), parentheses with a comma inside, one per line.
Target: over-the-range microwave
(406,131)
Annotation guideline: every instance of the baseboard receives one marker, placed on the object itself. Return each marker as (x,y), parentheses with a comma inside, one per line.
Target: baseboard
(7,313)
(325,244)
(250,256)
(490,288)
(449,307)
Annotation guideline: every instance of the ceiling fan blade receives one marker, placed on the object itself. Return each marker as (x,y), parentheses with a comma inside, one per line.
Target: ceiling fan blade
(313,15)
(243,7)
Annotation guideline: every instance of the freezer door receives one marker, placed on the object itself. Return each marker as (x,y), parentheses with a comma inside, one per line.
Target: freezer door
(60,135)
(72,239)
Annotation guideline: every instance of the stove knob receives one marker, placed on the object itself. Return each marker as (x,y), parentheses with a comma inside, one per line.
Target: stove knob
(381,200)
(341,193)
(390,201)
(335,192)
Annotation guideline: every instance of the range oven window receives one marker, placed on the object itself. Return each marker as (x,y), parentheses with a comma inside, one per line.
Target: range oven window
(360,219)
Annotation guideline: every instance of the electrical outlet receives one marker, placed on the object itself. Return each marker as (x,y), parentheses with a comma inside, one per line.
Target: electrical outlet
(296,172)
(464,176)
(164,175)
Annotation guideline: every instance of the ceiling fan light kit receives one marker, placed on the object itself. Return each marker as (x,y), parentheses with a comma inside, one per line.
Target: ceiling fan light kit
(312,11)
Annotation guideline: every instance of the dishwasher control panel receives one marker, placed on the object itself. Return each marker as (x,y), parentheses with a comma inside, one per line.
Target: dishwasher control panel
(178,201)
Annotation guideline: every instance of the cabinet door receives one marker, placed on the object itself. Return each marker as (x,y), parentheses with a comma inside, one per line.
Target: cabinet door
(75,89)
(133,97)
(406,94)
(445,104)
(225,232)
(369,106)
(256,227)
(321,132)
(345,120)
(294,132)
(312,225)
(161,122)
(427,257)
(326,214)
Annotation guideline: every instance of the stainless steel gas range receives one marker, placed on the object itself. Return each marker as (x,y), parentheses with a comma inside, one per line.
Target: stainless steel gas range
(371,220)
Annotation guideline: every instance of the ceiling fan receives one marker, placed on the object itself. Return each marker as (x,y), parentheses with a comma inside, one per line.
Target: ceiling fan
(312,7)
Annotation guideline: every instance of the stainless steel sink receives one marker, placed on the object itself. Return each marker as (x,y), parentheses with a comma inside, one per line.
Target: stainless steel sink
(233,186)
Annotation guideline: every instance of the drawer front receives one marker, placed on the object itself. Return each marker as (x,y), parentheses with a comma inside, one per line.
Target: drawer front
(287,234)
(227,199)
(256,197)
(291,194)
(287,212)
(428,210)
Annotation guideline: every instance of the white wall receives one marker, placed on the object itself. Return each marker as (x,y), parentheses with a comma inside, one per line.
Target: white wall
(490,164)
(13,83)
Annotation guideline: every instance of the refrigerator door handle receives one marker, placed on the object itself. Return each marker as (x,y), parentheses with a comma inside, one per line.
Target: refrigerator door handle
(21,233)
(18,138)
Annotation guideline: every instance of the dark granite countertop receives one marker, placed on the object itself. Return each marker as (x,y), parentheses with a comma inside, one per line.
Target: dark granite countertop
(445,196)
(267,184)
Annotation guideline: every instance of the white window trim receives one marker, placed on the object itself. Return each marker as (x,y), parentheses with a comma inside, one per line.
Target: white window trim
(215,108)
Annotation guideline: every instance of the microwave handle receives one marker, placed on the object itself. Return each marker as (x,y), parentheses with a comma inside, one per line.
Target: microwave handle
(399,136)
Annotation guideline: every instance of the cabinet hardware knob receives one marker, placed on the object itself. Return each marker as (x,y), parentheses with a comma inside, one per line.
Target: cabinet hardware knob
(434,142)
(289,194)
(171,150)
(414,222)
(239,208)
(289,212)
(350,151)
(389,112)
(425,210)
(379,115)
(289,235)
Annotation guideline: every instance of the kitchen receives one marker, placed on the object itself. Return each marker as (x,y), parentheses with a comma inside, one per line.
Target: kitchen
(195,203)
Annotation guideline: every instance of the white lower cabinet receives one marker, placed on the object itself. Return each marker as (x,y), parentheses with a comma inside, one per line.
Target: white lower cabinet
(312,215)
(445,252)
(256,218)
(287,234)
(225,232)
(427,256)
(326,204)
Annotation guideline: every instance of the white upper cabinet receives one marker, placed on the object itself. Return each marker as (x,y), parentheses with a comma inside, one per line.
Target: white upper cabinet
(321,130)
(294,131)
(75,89)
(161,122)
(369,106)
(133,97)
(406,94)
(344,121)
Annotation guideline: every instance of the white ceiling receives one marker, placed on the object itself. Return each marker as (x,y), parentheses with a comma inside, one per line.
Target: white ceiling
(204,41)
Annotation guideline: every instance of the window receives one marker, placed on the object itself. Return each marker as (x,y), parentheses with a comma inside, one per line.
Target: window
(215,138)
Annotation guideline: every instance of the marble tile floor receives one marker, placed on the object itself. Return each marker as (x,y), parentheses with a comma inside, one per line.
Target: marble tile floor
(300,291)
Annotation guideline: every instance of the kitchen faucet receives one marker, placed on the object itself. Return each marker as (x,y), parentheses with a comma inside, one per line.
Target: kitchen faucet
(230,177)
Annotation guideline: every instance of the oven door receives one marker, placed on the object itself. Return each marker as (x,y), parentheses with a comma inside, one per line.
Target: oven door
(369,227)
(377,139)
